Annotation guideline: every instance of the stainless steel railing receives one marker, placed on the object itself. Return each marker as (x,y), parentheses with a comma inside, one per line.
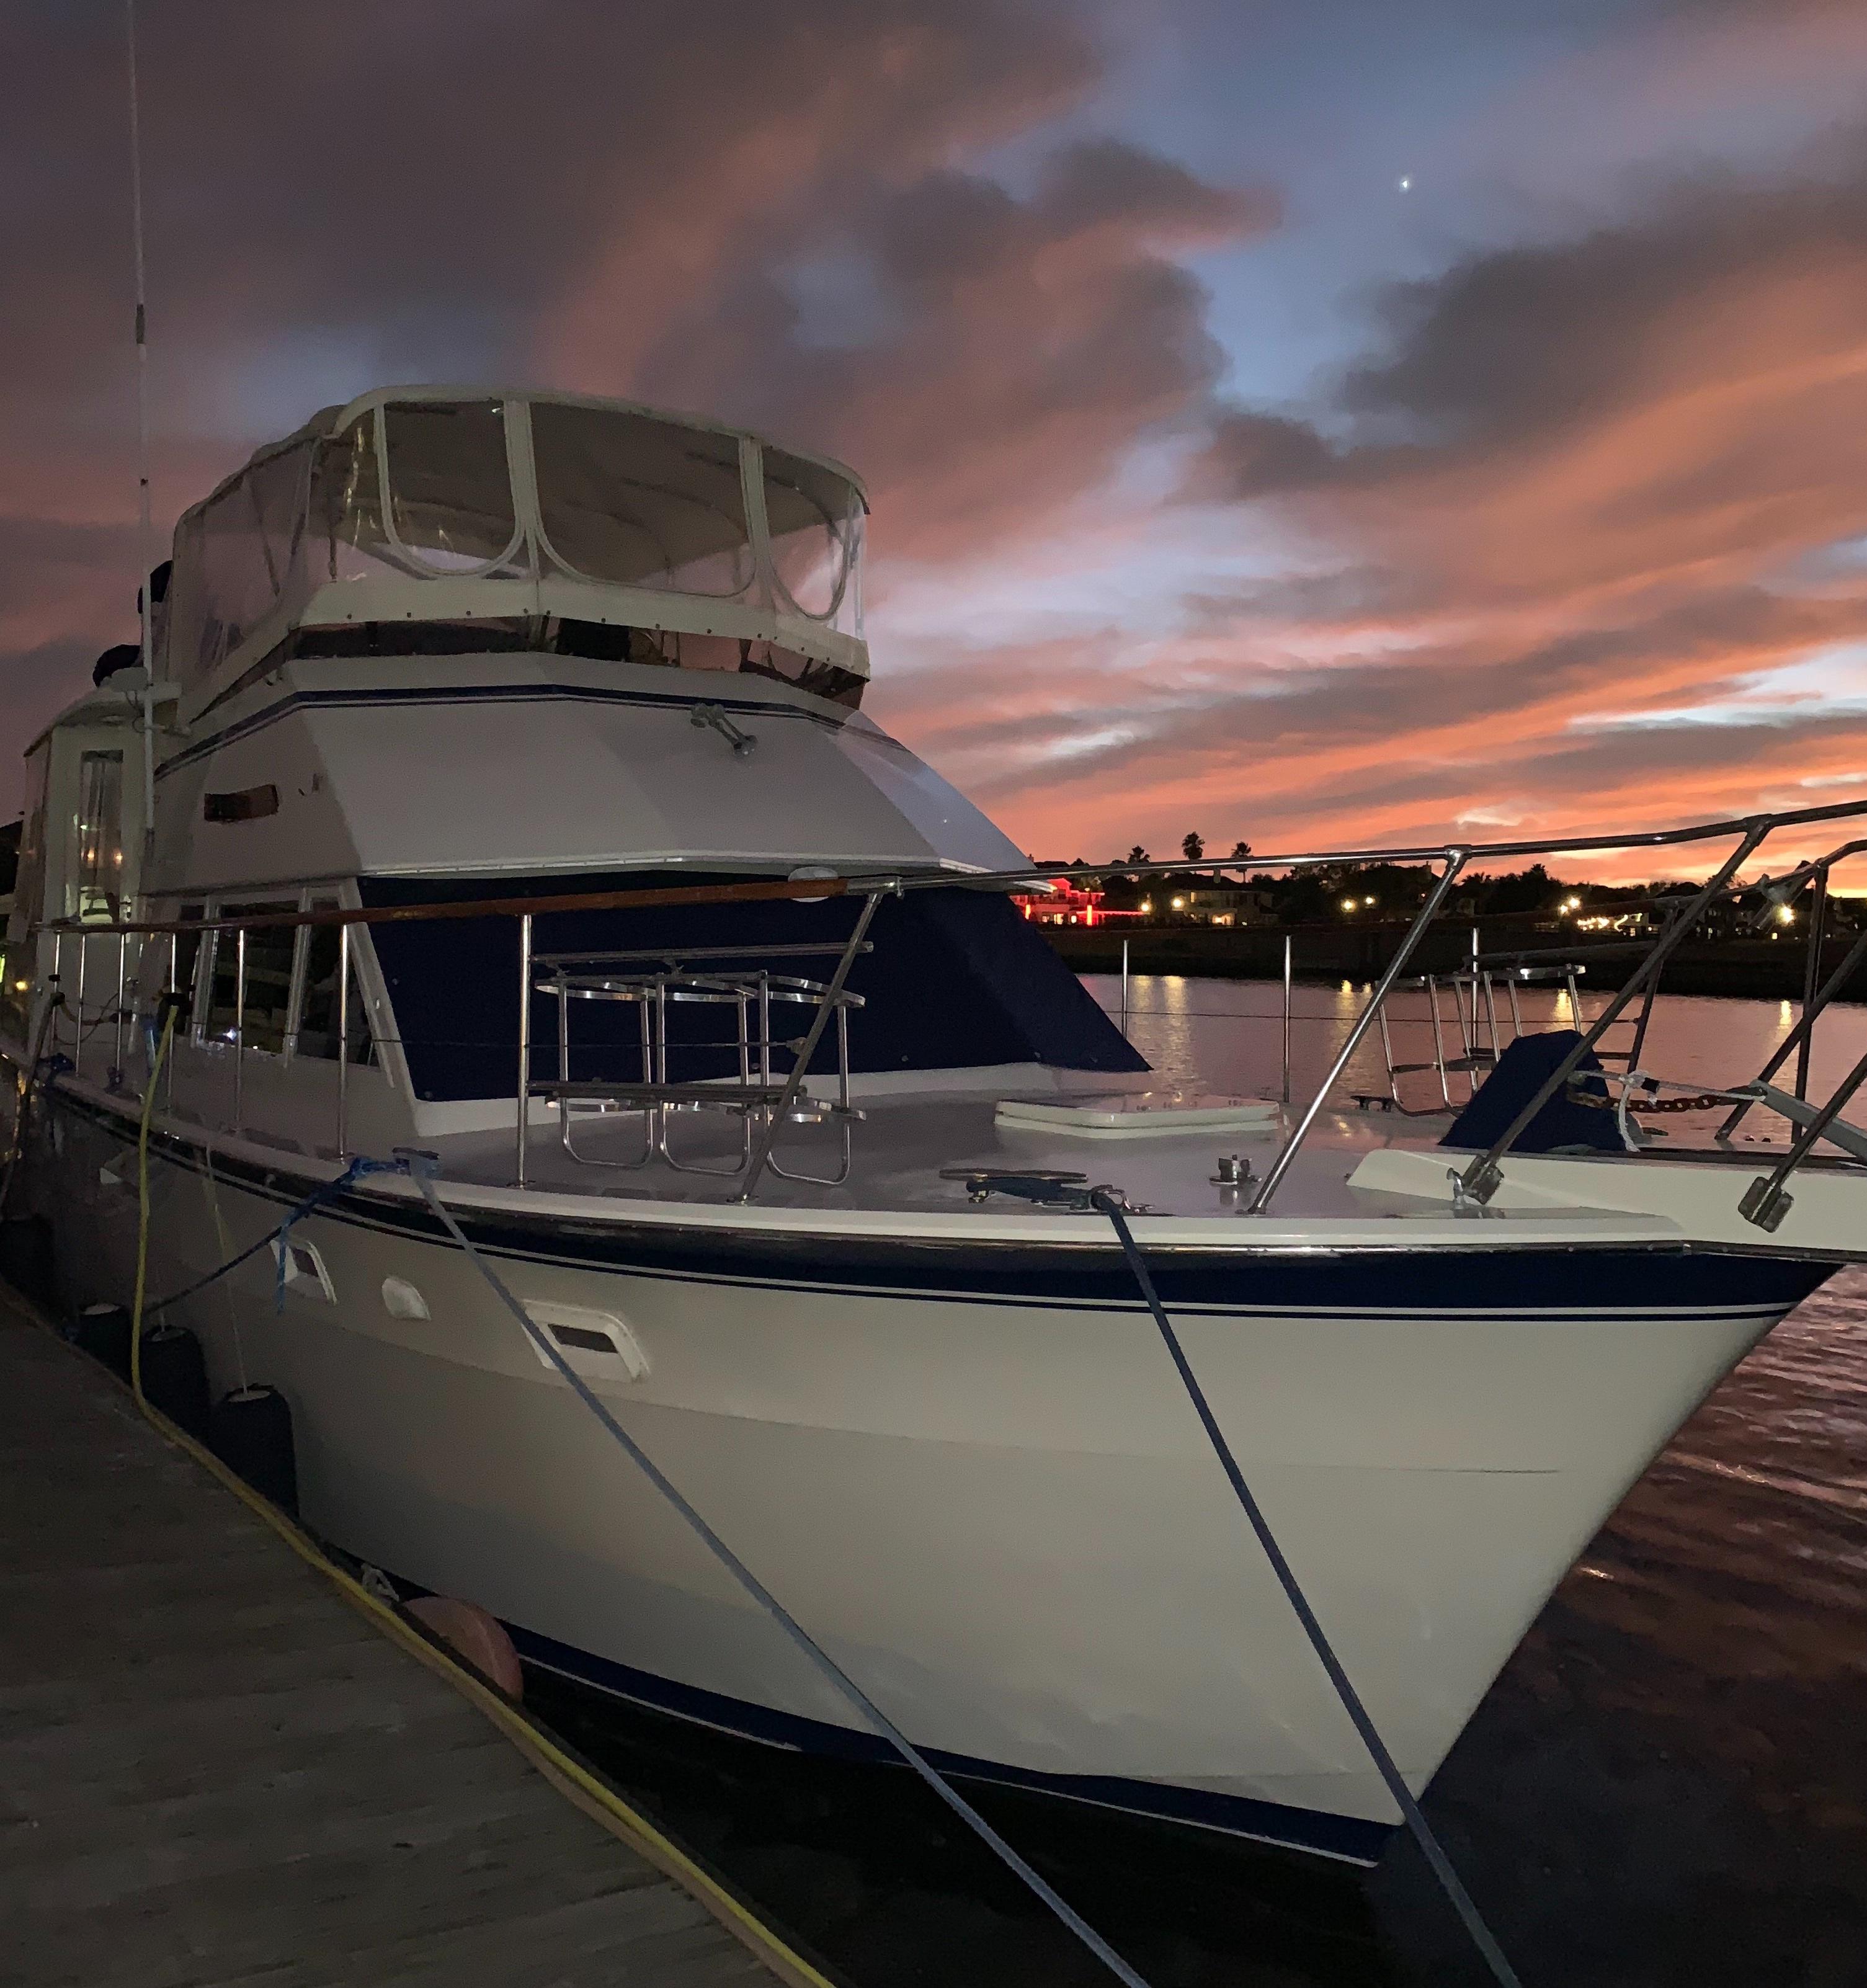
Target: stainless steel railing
(1480,1176)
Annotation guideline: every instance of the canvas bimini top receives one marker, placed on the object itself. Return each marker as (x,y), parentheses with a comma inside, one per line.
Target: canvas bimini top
(431,518)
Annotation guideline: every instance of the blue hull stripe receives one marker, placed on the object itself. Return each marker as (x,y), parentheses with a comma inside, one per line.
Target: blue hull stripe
(1270,1822)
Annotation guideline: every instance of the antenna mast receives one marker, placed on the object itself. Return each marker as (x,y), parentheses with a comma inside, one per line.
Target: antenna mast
(144,531)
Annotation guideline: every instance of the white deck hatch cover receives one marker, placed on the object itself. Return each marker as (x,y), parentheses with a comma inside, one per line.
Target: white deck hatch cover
(1138,1115)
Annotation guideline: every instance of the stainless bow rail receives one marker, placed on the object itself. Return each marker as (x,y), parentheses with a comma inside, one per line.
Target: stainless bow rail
(738,979)
(1481,1036)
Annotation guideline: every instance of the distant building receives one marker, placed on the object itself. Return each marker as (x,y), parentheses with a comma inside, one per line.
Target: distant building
(1226,904)
(1067,903)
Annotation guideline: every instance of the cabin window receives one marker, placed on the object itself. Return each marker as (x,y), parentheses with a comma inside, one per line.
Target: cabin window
(317,1025)
(184,961)
(99,884)
(269,951)
(636,501)
(815,520)
(450,490)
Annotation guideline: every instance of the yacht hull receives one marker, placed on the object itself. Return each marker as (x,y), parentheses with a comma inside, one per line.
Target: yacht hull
(973,1478)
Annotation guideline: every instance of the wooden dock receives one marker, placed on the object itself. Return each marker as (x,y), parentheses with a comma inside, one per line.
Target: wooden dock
(213,1771)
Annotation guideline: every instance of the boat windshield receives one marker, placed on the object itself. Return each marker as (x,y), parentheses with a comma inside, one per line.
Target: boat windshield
(552,498)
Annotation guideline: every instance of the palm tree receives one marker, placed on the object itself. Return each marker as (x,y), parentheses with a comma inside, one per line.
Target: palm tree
(1192,846)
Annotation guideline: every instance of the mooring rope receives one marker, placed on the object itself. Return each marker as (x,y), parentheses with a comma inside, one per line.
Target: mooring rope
(422,1168)
(1103,1200)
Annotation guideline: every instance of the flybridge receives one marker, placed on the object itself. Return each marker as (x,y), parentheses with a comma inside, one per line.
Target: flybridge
(432,520)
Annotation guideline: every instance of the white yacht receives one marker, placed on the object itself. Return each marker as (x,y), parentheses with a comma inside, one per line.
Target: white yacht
(512,800)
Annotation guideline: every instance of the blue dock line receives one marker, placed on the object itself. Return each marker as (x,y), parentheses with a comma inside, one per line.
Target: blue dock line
(358,1169)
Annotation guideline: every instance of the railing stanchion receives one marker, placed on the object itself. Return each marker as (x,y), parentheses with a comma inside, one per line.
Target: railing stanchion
(1811,974)
(344,1041)
(239,1026)
(77,1012)
(1287,945)
(1455,861)
(1125,993)
(185,1024)
(1830,988)
(122,987)
(1481,1179)
(1438,1033)
(1764,1203)
(523,1112)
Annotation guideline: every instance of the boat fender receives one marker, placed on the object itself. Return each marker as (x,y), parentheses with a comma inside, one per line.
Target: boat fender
(473,1635)
(25,1256)
(175,1378)
(103,1331)
(250,1431)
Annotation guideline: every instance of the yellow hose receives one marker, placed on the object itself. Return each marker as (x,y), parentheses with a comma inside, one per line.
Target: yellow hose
(568,1775)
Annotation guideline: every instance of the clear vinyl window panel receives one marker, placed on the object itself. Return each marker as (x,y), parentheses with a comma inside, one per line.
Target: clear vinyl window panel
(815,519)
(636,501)
(417,488)
(450,508)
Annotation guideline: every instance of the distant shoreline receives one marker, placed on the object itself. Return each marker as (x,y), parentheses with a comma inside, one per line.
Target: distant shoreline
(1757,969)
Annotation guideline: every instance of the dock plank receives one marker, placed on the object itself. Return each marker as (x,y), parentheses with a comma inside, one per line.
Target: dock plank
(214,1774)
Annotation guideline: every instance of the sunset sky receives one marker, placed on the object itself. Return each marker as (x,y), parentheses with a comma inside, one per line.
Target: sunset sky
(1306,421)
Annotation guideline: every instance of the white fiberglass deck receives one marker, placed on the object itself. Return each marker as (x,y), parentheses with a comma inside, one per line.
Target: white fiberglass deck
(902,1148)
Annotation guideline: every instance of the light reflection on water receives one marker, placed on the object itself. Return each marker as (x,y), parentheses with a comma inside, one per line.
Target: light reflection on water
(1226,1036)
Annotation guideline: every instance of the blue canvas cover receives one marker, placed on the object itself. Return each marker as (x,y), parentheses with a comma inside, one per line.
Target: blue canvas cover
(1562,1124)
(957,979)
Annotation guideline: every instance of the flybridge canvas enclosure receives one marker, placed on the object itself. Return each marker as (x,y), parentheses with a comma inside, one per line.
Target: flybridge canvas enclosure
(423,507)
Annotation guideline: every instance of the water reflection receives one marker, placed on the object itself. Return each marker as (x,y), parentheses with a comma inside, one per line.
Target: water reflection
(1224,1036)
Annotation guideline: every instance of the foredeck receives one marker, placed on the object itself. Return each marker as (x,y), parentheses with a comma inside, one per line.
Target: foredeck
(905,1150)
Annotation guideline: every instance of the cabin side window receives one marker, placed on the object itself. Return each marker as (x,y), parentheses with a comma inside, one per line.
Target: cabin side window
(318,1023)
(97,885)
(184,965)
(261,1020)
